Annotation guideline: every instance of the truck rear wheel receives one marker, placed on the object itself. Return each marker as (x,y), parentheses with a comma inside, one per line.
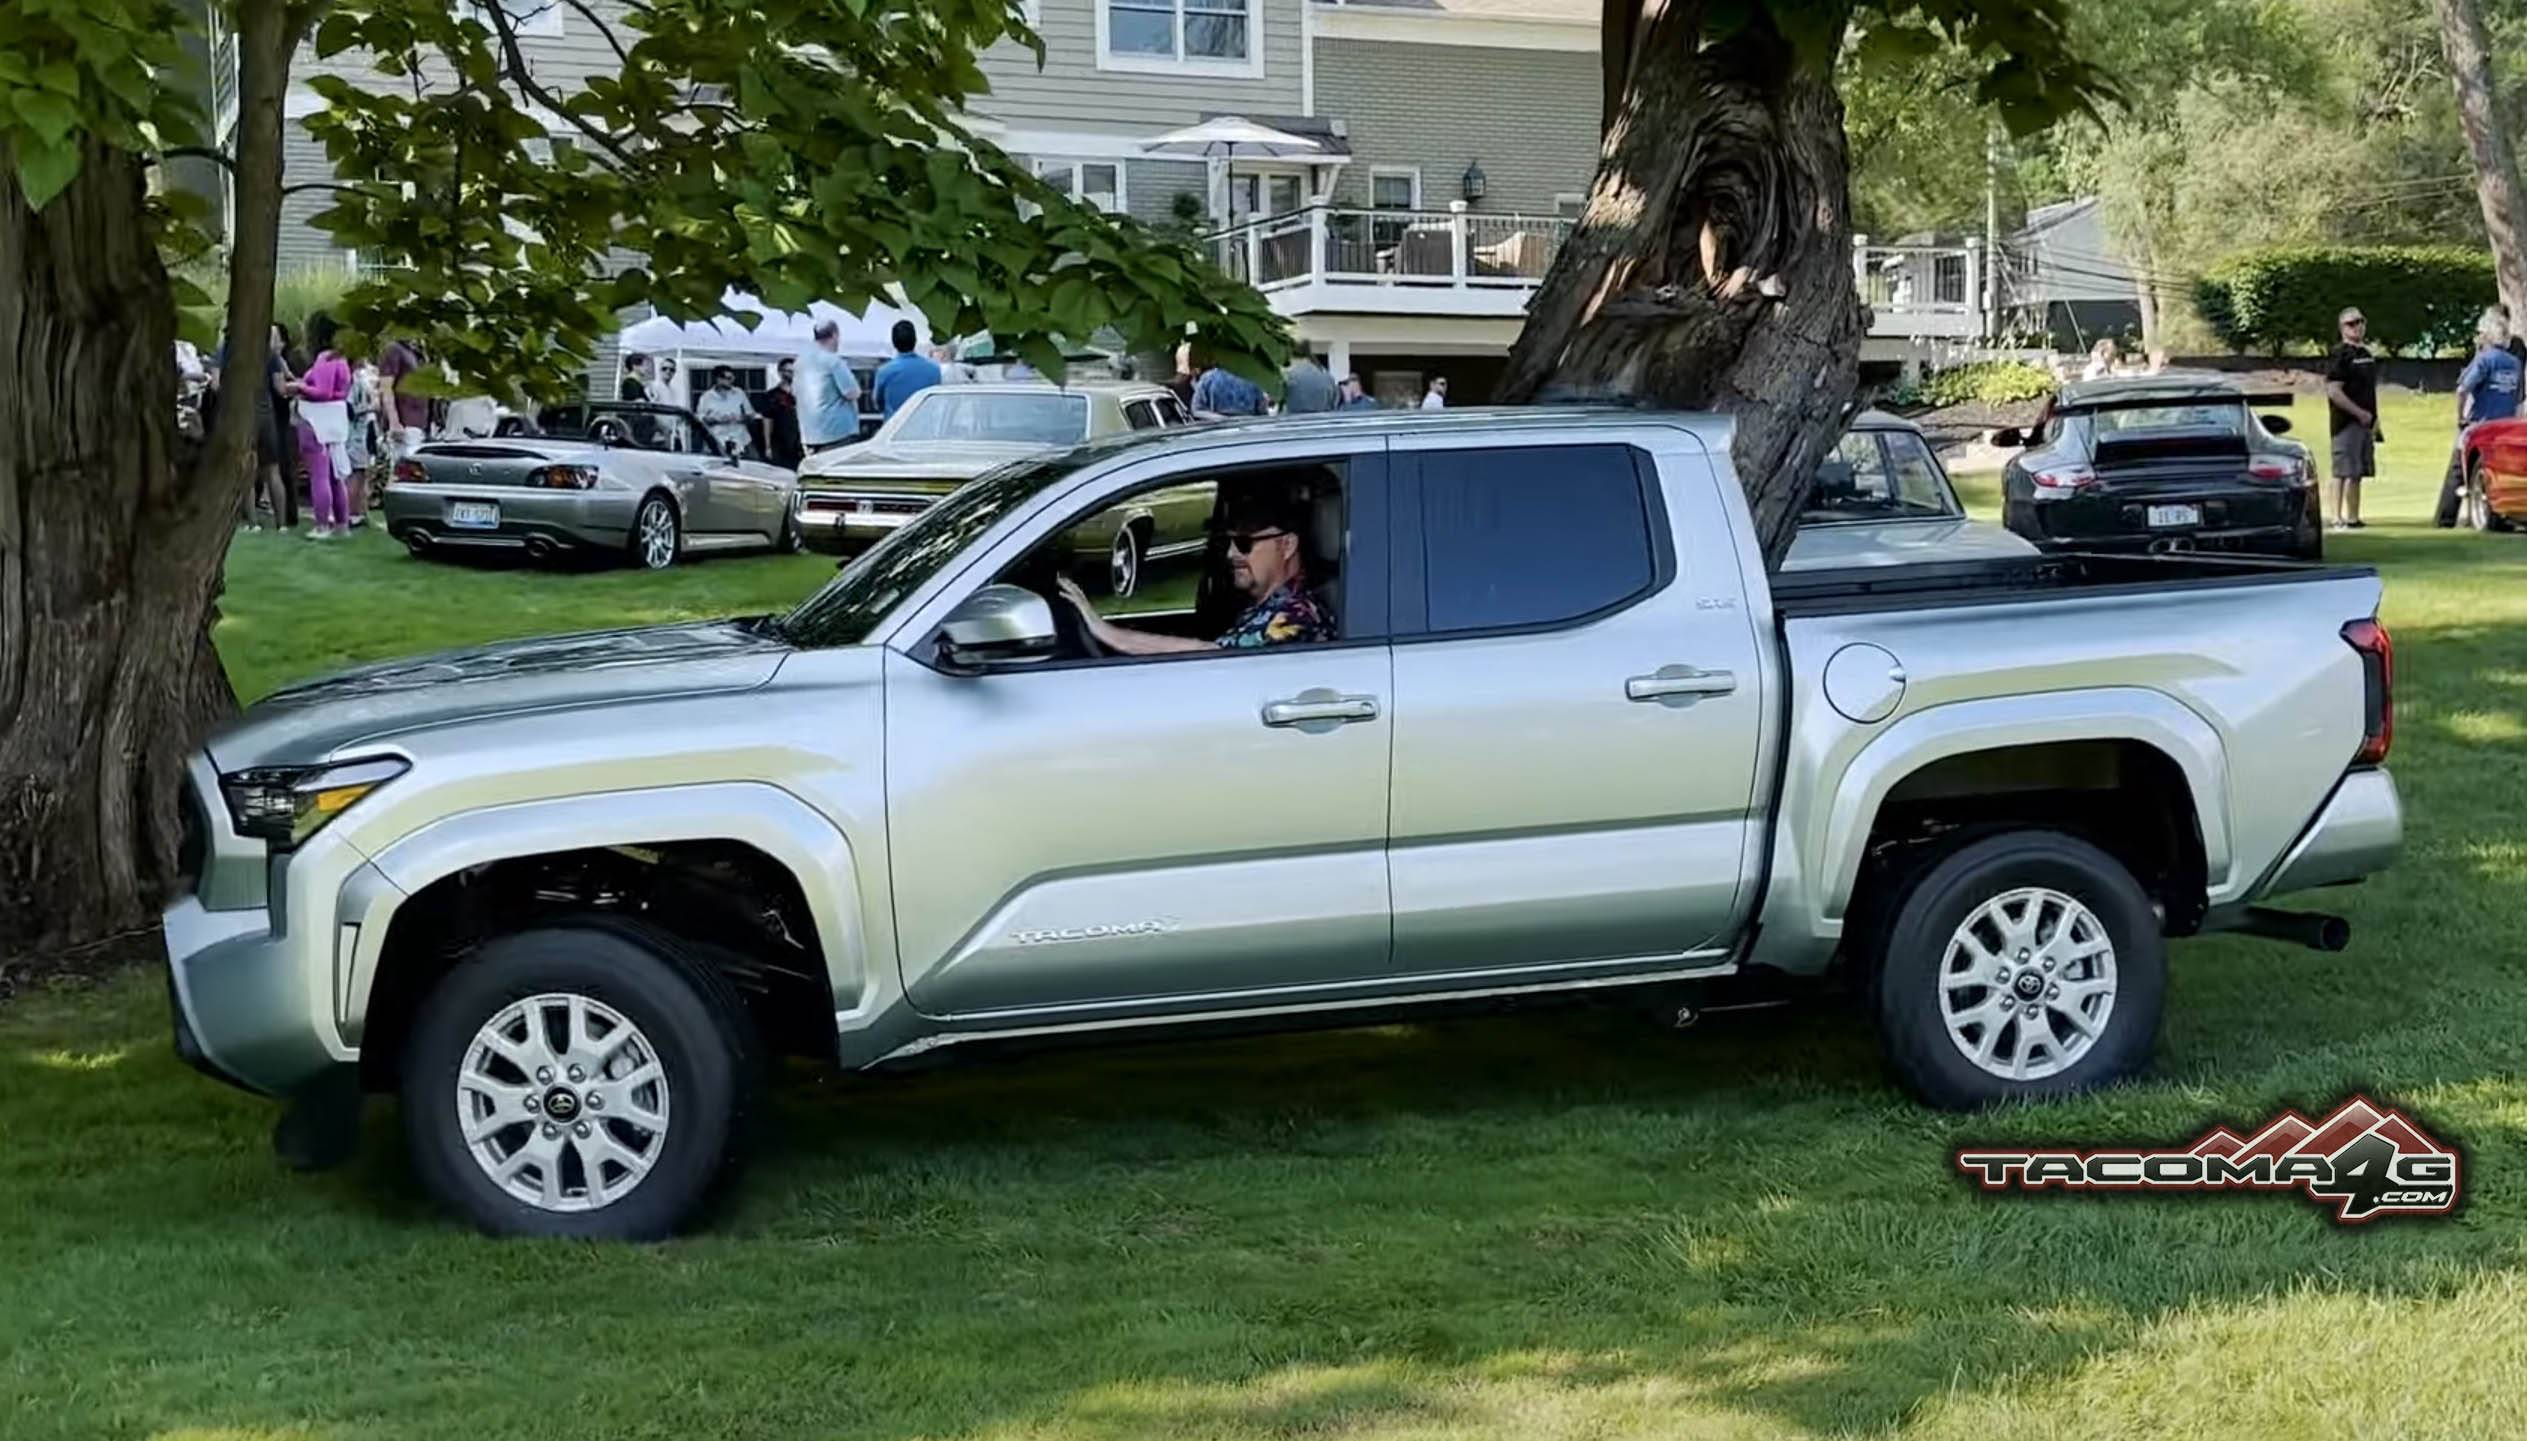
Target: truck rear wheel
(584,1079)
(2018,967)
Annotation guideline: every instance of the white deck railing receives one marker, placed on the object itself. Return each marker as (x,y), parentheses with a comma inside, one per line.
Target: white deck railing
(1415,260)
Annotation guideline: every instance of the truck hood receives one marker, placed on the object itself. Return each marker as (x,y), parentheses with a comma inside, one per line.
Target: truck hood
(311,722)
(887,465)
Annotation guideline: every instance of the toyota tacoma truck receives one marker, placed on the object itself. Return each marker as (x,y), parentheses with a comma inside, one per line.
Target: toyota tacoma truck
(1543,730)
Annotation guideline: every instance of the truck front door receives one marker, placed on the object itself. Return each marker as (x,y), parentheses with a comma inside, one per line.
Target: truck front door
(1577,708)
(1092,833)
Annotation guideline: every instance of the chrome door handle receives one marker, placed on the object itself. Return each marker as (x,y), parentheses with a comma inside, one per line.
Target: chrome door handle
(1320,710)
(1679,682)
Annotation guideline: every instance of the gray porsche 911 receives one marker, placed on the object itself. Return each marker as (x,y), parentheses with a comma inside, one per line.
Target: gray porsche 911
(642,481)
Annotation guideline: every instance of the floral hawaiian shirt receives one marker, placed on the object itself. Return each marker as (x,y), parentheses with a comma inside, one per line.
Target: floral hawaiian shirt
(1288,614)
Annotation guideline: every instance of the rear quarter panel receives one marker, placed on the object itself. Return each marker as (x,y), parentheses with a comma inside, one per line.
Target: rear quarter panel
(2249,688)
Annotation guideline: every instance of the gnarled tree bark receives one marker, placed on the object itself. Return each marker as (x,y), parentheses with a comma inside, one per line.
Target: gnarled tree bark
(1711,269)
(111,543)
(2496,182)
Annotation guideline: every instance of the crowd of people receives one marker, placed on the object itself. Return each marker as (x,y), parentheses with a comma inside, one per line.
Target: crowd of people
(327,423)
(1213,392)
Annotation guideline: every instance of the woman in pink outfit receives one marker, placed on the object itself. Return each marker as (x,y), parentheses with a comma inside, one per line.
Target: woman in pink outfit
(325,427)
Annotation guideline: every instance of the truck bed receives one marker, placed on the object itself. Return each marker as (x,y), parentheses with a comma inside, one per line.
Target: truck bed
(2038,577)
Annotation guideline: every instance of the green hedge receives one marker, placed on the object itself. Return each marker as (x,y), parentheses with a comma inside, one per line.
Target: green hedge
(2417,298)
(1994,382)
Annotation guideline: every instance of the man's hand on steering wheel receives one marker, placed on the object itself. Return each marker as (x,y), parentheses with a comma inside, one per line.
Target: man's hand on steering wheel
(1067,590)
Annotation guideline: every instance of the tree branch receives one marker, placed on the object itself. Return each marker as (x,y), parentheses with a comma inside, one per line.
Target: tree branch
(621,56)
(199,152)
(514,67)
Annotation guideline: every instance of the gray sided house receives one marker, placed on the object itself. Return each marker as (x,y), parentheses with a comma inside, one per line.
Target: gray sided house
(2067,280)
(1453,142)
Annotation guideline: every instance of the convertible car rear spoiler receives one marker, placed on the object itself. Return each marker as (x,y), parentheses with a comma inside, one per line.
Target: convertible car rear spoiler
(2156,400)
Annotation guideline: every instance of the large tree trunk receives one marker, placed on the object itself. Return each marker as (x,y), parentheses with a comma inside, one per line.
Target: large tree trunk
(111,543)
(2496,183)
(1712,267)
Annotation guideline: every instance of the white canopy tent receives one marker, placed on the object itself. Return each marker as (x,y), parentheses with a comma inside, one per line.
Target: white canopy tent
(766,335)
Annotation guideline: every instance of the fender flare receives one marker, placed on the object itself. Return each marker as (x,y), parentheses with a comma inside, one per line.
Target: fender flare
(1836,848)
(795,835)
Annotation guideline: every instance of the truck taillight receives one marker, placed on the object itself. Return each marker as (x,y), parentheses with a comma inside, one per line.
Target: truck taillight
(406,472)
(564,477)
(2377,670)
(2063,479)
(2281,469)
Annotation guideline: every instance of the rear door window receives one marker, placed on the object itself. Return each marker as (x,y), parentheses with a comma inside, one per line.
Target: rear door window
(1533,536)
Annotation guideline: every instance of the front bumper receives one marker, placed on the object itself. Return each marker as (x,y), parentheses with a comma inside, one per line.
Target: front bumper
(2359,831)
(261,949)
(843,518)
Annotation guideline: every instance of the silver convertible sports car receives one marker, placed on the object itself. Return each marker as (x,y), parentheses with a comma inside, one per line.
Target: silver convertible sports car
(635,480)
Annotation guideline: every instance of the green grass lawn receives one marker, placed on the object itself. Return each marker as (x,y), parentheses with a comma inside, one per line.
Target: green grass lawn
(1552,1226)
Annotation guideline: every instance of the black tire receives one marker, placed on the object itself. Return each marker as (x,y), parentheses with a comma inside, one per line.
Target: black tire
(1932,906)
(791,540)
(656,509)
(687,1017)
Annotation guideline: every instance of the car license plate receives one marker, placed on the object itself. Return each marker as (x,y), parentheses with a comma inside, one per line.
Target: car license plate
(2175,515)
(865,507)
(473,514)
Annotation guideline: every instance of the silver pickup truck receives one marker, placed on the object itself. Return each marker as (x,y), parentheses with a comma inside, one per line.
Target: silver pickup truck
(1519,718)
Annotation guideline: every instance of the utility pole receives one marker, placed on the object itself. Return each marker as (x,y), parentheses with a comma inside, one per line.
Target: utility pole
(1991,231)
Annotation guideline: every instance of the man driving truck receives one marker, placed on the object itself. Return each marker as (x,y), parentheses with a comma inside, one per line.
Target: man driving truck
(1265,561)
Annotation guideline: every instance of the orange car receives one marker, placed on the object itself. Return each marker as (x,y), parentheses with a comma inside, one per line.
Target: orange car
(2496,474)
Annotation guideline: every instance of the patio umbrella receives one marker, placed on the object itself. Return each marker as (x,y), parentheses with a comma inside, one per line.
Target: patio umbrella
(1226,137)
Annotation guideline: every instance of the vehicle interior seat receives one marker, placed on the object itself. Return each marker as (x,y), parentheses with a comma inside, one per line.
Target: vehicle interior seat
(1323,544)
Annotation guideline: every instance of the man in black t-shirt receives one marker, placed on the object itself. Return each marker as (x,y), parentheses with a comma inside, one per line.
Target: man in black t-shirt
(2351,393)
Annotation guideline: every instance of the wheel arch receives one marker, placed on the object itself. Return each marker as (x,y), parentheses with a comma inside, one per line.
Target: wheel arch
(2018,742)
(760,852)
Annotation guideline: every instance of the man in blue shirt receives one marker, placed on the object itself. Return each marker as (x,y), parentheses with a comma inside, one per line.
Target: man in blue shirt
(2488,390)
(1219,394)
(907,375)
(828,394)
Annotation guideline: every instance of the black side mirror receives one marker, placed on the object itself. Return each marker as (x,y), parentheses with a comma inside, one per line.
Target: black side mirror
(2010,438)
(2275,424)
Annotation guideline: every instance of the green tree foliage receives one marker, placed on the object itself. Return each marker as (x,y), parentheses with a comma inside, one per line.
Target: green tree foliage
(799,150)
(2417,298)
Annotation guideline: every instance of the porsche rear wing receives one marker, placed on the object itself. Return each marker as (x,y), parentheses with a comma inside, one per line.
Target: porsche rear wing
(2166,399)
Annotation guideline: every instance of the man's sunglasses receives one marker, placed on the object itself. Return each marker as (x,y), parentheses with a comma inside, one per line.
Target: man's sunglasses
(1243,541)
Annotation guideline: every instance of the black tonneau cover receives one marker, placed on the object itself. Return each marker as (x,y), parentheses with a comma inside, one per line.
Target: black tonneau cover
(2000,582)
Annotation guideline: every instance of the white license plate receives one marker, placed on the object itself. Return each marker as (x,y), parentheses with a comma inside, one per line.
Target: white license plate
(2175,515)
(473,514)
(865,507)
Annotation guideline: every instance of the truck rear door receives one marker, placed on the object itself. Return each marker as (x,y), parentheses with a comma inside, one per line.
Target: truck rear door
(1577,706)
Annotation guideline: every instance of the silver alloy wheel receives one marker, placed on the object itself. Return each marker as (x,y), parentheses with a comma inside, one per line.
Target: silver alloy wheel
(658,534)
(2478,503)
(2028,983)
(1123,564)
(562,1102)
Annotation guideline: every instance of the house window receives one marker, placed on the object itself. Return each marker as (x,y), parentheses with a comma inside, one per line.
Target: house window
(1194,34)
(1394,188)
(527,17)
(1098,182)
(1569,206)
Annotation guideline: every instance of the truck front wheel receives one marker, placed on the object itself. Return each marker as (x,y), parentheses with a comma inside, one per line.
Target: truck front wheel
(2020,966)
(582,1079)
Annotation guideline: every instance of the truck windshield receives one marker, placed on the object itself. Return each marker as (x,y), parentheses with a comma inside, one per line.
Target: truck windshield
(843,612)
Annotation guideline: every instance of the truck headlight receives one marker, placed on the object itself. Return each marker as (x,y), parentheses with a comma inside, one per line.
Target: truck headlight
(284,805)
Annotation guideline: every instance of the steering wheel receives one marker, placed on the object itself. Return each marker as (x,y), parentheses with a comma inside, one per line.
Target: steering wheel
(1072,639)
(610,432)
